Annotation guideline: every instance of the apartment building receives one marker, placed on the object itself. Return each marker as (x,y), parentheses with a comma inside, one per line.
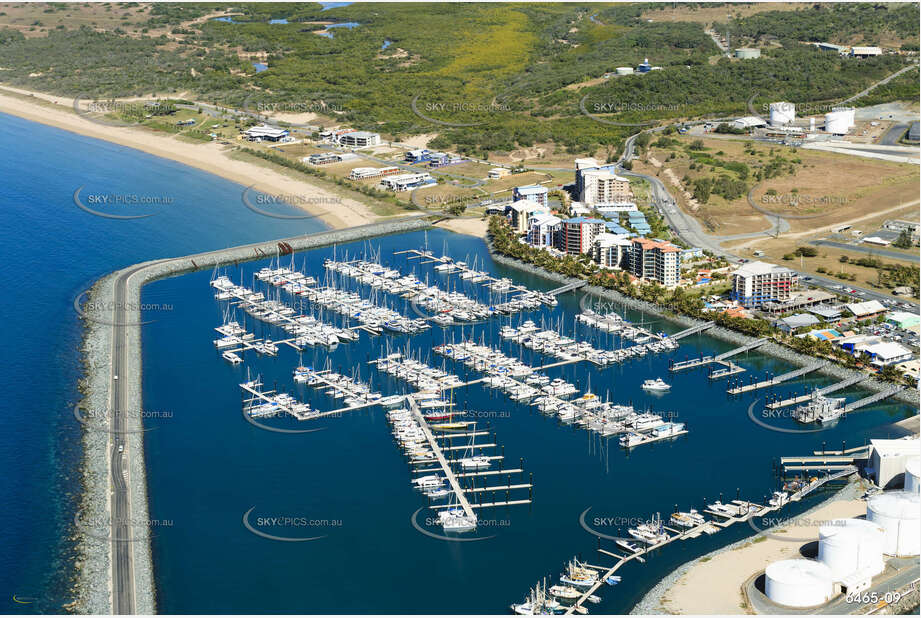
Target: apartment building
(655,260)
(602,188)
(758,283)
(577,235)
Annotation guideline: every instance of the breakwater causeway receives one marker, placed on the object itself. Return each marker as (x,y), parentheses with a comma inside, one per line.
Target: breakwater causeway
(121,553)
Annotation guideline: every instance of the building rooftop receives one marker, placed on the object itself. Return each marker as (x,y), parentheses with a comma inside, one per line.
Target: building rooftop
(360,134)
(897,448)
(866,308)
(760,268)
(887,349)
(532,189)
(799,320)
(648,243)
(583,220)
(527,206)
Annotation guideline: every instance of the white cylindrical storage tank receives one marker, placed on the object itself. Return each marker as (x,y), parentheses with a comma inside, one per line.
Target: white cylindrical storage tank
(812,124)
(782,113)
(912,470)
(624,70)
(850,545)
(899,514)
(836,123)
(798,583)
(849,113)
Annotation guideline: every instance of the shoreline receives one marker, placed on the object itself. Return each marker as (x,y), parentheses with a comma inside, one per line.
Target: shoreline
(770,348)
(93,580)
(209,157)
(653,601)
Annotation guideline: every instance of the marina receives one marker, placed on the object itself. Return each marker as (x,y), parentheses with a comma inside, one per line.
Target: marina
(482,432)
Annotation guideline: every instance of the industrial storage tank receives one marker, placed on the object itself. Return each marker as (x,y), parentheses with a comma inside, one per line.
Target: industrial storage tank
(747,53)
(837,123)
(798,583)
(899,514)
(850,545)
(782,113)
(912,470)
(624,70)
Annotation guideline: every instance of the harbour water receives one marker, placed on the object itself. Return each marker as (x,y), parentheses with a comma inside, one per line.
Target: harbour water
(349,485)
(52,251)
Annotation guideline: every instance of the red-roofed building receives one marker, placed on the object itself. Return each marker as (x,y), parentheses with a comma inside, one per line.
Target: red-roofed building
(655,260)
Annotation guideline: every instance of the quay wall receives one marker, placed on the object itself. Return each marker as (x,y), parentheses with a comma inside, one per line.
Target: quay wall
(93,585)
(772,348)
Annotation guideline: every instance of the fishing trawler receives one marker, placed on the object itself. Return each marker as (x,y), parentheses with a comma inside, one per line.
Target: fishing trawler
(650,533)
(820,409)
(688,519)
(578,575)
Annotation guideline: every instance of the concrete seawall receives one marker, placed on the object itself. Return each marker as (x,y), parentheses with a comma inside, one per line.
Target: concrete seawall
(93,591)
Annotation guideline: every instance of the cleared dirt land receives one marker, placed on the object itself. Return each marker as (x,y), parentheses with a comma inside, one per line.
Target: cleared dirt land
(829,187)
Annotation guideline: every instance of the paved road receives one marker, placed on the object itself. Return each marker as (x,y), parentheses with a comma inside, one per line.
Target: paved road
(885,80)
(913,257)
(893,135)
(123,533)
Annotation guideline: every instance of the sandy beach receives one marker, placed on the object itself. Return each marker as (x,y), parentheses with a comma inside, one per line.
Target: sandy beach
(470,227)
(211,157)
(714,585)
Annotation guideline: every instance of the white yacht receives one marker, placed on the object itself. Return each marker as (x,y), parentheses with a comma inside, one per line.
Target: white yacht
(232,358)
(656,385)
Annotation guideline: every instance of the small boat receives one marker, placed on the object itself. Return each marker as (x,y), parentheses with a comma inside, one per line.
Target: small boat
(232,358)
(450,426)
(475,463)
(656,385)
(612,580)
(565,592)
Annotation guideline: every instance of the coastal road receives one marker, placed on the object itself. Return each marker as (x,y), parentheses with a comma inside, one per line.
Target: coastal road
(123,533)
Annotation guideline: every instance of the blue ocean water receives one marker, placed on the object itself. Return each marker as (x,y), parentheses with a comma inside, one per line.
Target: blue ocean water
(207,466)
(52,251)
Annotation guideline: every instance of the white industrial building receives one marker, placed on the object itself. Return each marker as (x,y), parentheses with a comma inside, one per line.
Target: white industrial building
(264,132)
(361,173)
(888,459)
(404,182)
(865,52)
(798,583)
(899,515)
(748,122)
(782,113)
(360,139)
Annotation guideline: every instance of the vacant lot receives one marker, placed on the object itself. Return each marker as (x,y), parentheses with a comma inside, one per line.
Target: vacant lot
(833,187)
(706,15)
